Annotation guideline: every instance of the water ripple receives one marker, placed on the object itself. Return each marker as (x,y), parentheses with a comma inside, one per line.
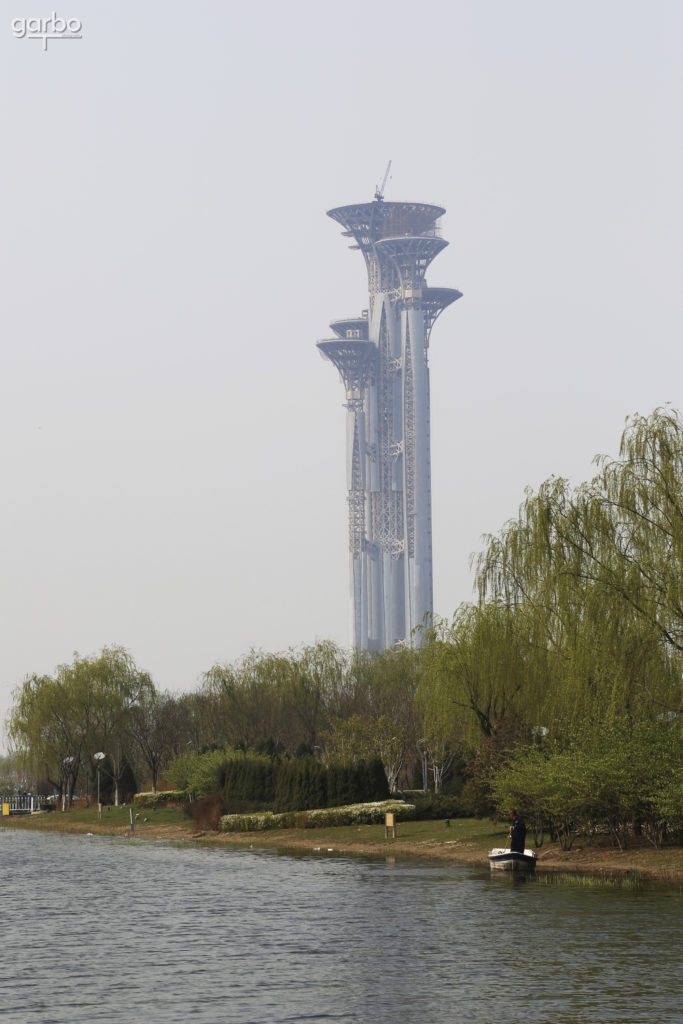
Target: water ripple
(120,931)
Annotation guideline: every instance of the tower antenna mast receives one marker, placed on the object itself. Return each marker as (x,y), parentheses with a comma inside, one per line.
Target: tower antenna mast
(379,191)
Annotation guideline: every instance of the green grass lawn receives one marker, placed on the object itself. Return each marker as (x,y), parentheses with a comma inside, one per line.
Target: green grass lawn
(114,817)
(461,830)
(480,834)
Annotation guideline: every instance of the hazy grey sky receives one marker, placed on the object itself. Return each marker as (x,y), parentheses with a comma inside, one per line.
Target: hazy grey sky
(172,444)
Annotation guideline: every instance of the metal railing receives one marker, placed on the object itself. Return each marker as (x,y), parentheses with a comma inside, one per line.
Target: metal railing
(24,804)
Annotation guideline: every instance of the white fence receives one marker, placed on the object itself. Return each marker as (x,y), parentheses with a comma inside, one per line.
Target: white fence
(22,804)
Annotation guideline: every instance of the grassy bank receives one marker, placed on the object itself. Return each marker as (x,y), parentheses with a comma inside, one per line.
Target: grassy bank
(467,840)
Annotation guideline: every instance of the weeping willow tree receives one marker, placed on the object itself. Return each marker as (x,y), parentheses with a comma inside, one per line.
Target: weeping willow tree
(642,520)
(475,672)
(595,572)
(58,723)
(376,715)
(283,700)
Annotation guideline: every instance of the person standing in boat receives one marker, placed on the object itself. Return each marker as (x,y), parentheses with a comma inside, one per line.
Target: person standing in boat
(517,832)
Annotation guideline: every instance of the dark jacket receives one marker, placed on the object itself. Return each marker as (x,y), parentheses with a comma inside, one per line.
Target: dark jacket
(517,834)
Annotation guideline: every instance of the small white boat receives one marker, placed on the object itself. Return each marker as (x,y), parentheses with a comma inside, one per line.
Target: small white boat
(512,860)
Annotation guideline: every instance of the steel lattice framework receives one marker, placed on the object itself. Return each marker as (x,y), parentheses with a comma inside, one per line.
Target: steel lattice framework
(381,357)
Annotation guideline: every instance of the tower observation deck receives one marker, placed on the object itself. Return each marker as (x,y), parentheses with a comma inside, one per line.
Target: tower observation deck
(381,357)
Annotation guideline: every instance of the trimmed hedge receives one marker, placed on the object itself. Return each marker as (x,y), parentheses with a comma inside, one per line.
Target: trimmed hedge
(352,814)
(168,796)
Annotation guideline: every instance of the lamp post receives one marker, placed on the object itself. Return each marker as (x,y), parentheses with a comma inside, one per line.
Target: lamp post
(99,757)
(68,761)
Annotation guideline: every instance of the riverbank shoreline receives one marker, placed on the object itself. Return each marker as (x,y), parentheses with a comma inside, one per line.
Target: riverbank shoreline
(466,841)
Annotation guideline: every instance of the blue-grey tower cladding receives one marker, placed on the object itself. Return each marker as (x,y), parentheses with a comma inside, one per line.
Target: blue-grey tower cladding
(381,356)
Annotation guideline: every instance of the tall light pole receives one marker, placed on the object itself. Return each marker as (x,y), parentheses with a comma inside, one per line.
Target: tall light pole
(99,757)
(68,761)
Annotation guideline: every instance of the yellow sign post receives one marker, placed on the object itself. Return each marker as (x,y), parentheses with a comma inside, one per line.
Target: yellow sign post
(389,823)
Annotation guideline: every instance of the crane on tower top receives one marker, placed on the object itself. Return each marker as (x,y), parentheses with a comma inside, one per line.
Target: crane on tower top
(379,191)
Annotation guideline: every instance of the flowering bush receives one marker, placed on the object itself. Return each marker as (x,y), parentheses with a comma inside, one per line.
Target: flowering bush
(168,796)
(254,822)
(352,814)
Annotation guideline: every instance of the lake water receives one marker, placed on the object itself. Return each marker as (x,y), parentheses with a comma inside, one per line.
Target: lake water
(121,930)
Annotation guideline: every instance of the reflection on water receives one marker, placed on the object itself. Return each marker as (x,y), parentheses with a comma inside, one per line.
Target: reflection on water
(120,930)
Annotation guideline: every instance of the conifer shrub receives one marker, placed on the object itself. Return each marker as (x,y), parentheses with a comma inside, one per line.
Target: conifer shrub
(377,780)
(247,781)
(333,785)
(360,789)
(318,785)
(346,792)
(127,783)
(305,784)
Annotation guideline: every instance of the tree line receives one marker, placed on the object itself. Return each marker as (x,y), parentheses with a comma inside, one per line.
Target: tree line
(577,633)
(316,700)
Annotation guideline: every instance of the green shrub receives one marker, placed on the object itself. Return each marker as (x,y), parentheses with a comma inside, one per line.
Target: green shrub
(179,771)
(169,796)
(431,806)
(262,822)
(618,779)
(208,774)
